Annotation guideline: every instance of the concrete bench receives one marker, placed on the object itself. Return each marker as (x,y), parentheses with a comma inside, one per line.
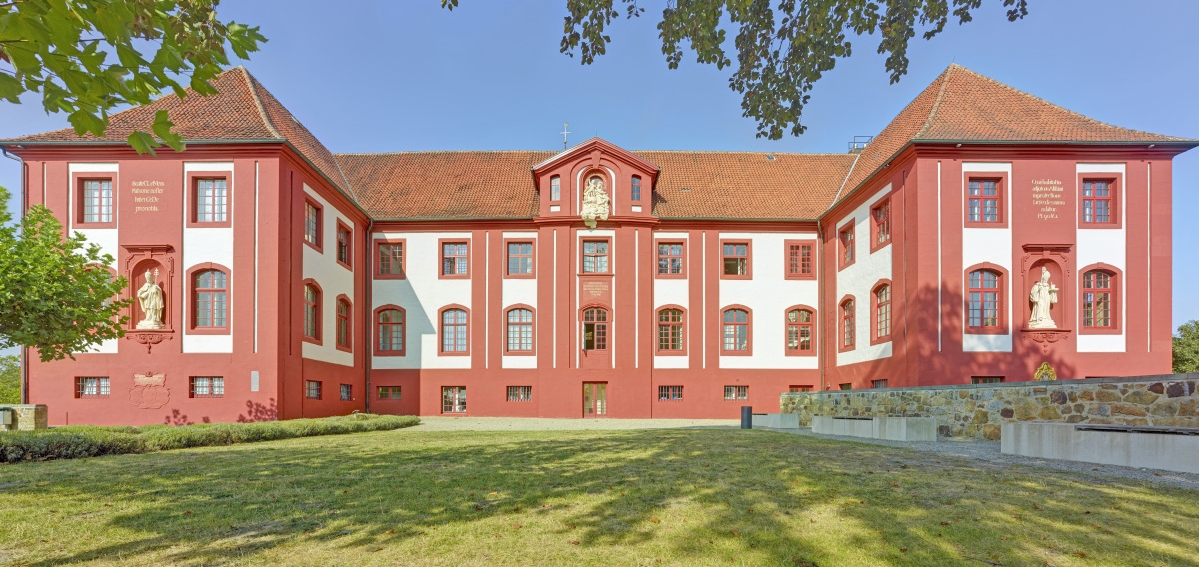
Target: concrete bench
(1165,448)
(889,428)
(776,420)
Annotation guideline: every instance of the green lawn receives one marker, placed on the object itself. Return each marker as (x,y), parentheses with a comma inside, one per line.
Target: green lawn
(663,497)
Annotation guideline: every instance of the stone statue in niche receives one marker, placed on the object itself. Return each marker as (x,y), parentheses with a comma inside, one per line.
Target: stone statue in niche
(150,298)
(595,202)
(1042,296)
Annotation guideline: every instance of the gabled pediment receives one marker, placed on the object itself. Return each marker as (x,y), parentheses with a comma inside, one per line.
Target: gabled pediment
(598,147)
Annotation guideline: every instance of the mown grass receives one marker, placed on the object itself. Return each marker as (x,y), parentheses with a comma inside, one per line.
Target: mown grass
(664,497)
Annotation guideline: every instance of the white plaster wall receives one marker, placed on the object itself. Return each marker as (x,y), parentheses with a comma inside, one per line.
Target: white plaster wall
(105,238)
(768,294)
(334,280)
(202,245)
(1108,246)
(514,291)
(858,279)
(673,292)
(992,245)
(422,294)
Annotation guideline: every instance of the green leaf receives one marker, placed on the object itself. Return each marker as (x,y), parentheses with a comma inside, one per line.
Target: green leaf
(142,143)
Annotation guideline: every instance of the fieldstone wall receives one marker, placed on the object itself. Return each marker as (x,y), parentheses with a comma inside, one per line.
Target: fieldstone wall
(978,410)
(26,417)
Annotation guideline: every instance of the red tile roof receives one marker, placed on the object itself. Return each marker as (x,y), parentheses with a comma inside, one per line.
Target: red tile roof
(959,106)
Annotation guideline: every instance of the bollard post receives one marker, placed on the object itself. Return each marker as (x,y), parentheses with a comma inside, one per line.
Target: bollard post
(747,417)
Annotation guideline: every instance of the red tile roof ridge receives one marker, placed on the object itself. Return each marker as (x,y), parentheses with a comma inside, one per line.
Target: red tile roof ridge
(250,84)
(932,113)
(410,152)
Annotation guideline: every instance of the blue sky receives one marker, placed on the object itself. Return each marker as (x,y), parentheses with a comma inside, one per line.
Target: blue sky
(384,76)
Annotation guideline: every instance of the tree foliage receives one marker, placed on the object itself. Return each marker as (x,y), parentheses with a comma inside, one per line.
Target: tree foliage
(56,293)
(1186,348)
(10,380)
(781,50)
(65,50)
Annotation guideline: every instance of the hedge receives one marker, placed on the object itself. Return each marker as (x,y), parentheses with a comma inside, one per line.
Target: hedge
(77,441)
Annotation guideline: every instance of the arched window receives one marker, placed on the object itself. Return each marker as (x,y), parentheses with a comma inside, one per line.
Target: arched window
(520,330)
(595,328)
(343,323)
(453,331)
(312,312)
(882,311)
(670,330)
(848,324)
(736,330)
(390,331)
(984,301)
(1098,287)
(211,307)
(799,331)
(635,191)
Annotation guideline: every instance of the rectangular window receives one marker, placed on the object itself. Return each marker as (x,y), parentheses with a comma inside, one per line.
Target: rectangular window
(207,387)
(520,393)
(735,259)
(389,392)
(520,258)
(878,384)
(391,259)
(453,399)
(344,243)
(312,225)
(91,387)
(736,392)
(984,201)
(794,389)
(97,201)
(800,260)
(595,256)
(347,392)
(846,386)
(312,389)
(635,193)
(846,244)
(986,379)
(670,393)
(453,259)
(212,200)
(555,188)
(1098,202)
(880,217)
(670,258)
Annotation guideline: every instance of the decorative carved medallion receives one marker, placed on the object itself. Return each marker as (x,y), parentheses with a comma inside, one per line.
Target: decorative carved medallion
(1045,337)
(1044,373)
(149,338)
(595,202)
(149,391)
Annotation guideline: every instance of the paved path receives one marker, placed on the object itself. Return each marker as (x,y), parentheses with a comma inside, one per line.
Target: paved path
(443,423)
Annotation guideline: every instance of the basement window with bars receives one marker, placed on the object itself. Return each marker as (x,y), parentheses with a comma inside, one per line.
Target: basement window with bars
(670,393)
(520,393)
(389,392)
(91,387)
(736,392)
(207,387)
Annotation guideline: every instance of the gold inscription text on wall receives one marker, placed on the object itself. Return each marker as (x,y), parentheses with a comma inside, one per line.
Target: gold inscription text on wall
(595,289)
(146,195)
(1048,196)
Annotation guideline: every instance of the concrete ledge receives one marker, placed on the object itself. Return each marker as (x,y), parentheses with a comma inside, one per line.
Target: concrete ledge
(889,428)
(776,420)
(1064,441)
(24,417)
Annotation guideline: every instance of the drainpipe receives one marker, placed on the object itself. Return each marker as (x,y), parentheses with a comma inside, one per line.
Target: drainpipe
(24,205)
(369,311)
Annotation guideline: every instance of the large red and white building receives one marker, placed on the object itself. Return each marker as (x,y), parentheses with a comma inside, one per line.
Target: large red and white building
(302,283)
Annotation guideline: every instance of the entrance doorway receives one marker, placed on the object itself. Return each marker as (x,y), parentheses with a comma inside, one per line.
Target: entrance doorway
(595,399)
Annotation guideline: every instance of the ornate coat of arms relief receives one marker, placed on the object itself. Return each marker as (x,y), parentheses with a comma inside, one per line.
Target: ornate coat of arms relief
(595,202)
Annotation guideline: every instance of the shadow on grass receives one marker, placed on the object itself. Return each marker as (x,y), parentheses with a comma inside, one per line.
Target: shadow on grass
(698,496)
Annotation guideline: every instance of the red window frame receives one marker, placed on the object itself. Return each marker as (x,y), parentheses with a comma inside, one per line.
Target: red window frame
(736,393)
(668,259)
(794,329)
(977,197)
(675,330)
(799,258)
(847,252)
(847,326)
(1113,289)
(746,326)
(462,327)
(556,188)
(345,245)
(389,393)
(344,332)
(194,179)
(595,256)
(519,393)
(80,181)
(386,330)
(670,393)
(211,386)
(726,254)
(882,315)
(313,389)
(880,226)
(389,261)
(635,189)
(453,399)
(193,277)
(312,304)
(460,253)
(510,325)
(520,255)
(598,317)
(1088,201)
(103,387)
(314,219)
(1000,308)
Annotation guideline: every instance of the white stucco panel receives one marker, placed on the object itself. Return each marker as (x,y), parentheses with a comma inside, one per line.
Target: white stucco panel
(334,280)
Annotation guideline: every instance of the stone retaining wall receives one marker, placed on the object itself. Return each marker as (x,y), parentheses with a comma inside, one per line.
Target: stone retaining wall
(978,410)
(26,417)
